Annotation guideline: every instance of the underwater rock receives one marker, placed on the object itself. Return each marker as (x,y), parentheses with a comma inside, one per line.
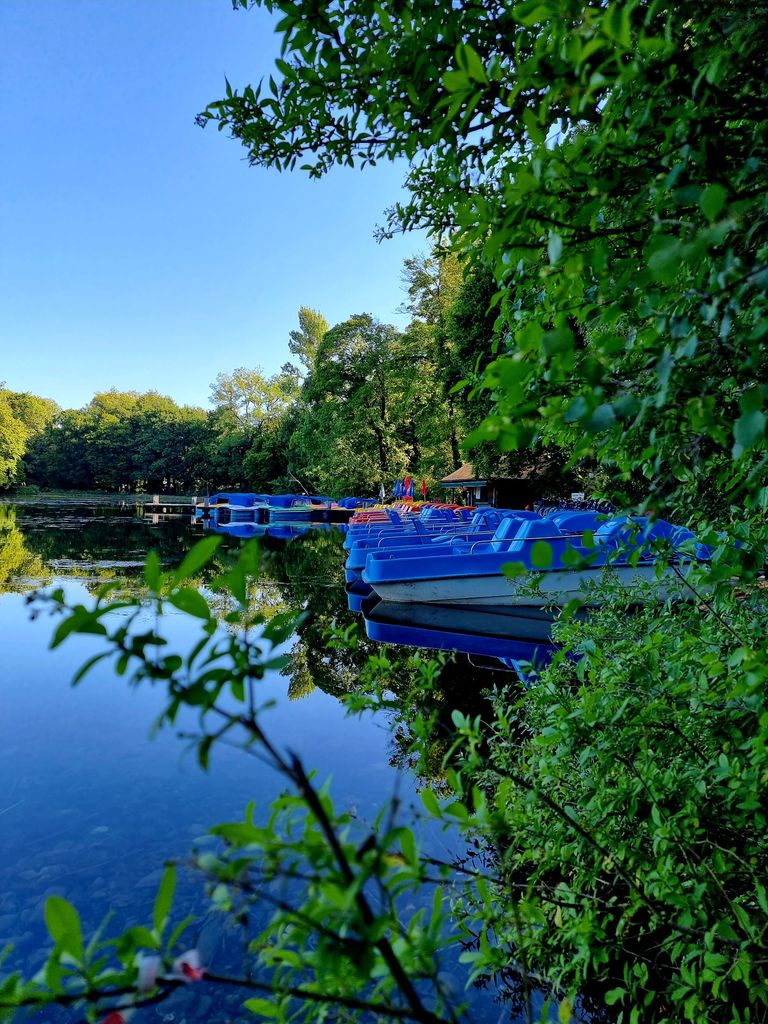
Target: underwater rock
(152,880)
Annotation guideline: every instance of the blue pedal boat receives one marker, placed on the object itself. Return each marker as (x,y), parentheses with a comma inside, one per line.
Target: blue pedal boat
(556,561)
(519,638)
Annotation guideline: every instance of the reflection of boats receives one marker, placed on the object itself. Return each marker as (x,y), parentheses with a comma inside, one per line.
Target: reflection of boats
(233,507)
(307,508)
(558,558)
(284,531)
(511,635)
(238,507)
(357,591)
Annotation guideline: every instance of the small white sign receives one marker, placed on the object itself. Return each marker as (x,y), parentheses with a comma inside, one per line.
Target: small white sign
(577,495)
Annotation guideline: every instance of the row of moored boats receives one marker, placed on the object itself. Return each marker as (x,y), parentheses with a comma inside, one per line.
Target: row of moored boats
(231,507)
(484,582)
(481,581)
(514,557)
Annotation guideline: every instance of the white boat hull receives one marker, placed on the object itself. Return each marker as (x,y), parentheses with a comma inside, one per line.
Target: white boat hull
(537,589)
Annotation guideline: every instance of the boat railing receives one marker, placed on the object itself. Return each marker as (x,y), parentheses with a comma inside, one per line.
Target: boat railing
(430,535)
(614,555)
(507,541)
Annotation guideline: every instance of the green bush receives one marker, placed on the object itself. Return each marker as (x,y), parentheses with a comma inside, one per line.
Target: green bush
(626,808)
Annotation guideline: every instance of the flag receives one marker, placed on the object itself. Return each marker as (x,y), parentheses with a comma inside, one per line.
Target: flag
(424,489)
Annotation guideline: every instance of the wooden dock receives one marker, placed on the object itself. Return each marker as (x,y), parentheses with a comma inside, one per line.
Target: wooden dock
(161,508)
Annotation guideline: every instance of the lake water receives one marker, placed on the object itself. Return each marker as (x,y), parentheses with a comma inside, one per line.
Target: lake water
(91,807)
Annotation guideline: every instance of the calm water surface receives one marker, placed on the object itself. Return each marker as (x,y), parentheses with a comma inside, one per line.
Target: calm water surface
(90,806)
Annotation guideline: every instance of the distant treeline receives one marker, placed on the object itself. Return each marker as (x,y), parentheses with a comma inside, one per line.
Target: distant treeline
(362,404)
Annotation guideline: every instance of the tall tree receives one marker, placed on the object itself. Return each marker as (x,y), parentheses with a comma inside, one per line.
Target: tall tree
(244,447)
(58,456)
(23,416)
(305,341)
(34,412)
(13,437)
(350,436)
(608,163)
(121,440)
(250,398)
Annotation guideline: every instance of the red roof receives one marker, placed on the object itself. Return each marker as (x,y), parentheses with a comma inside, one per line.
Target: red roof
(464,474)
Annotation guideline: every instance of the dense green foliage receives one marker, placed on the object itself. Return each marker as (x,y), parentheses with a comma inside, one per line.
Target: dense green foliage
(23,417)
(628,800)
(367,412)
(119,441)
(602,171)
(607,164)
(361,410)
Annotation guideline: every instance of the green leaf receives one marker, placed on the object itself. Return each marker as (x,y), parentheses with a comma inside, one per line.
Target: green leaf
(63,923)
(712,201)
(529,338)
(617,23)
(751,400)
(431,803)
(408,846)
(204,752)
(533,127)
(284,68)
(190,601)
(80,621)
(179,929)
(571,608)
(665,254)
(195,559)
(136,938)
(86,668)
(262,1007)
(457,81)
(557,341)
(152,571)
(614,995)
(601,418)
(749,428)
(164,898)
(276,664)
(468,59)
(577,410)
(541,554)
(514,569)
(530,13)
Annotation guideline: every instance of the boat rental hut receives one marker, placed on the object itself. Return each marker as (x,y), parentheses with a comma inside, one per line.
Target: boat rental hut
(500,492)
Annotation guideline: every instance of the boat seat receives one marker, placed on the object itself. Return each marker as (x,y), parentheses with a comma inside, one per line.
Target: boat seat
(577,521)
(520,549)
(505,533)
(625,535)
(660,529)
(436,515)
(486,520)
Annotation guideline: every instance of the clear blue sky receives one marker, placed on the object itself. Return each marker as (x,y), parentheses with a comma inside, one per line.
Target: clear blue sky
(139,251)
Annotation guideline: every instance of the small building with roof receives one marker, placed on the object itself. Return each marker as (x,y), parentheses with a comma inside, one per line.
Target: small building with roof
(500,492)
